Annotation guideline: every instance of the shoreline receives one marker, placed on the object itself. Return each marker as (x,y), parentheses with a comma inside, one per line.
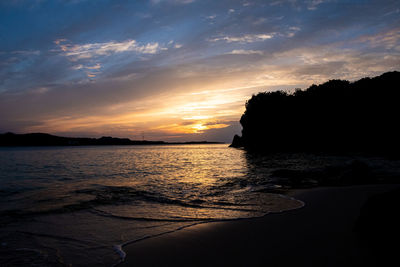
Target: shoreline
(321,233)
(47,140)
(119,248)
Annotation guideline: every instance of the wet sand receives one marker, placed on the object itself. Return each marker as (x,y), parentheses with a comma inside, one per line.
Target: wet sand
(319,234)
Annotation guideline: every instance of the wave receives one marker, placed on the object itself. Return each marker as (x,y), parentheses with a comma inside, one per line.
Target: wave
(115,195)
(120,217)
(120,195)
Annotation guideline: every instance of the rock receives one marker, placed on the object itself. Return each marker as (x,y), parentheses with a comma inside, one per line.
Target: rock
(237,141)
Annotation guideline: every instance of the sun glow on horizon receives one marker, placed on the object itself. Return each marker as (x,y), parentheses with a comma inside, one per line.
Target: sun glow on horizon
(198,127)
(191,113)
(181,77)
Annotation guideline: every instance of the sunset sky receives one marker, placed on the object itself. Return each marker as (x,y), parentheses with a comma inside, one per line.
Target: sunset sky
(177,70)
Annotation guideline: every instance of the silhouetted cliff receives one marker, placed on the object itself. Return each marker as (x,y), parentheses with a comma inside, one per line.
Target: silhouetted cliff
(337,116)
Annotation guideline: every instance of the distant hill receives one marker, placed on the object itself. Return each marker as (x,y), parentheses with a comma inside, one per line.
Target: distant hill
(338,115)
(43,139)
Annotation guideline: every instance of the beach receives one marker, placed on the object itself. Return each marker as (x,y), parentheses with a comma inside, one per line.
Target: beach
(322,233)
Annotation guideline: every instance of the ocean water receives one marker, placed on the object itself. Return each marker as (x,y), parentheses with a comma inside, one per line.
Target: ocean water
(79,206)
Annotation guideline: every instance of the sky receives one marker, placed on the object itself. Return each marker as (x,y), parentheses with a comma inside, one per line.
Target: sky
(177,70)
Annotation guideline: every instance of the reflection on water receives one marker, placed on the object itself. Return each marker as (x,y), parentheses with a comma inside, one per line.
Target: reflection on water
(79,205)
(49,180)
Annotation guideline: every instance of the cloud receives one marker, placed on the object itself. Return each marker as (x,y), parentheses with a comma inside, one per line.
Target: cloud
(387,39)
(40,90)
(158,100)
(59,41)
(320,63)
(155,2)
(246,52)
(211,17)
(248,38)
(260,21)
(292,31)
(27,52)
(89,50)
(95,67)
(313,4)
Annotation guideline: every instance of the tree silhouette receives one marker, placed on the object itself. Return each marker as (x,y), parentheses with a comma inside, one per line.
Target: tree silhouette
(335,116)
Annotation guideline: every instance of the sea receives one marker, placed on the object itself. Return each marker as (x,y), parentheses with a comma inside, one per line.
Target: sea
(80,206)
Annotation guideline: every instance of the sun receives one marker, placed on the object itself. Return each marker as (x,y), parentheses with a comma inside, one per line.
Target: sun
(198,127)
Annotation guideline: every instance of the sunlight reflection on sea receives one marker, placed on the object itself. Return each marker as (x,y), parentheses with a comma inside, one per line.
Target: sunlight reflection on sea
(80,205)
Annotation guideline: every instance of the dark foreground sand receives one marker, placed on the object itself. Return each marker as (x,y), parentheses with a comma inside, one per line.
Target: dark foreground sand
(320,234)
